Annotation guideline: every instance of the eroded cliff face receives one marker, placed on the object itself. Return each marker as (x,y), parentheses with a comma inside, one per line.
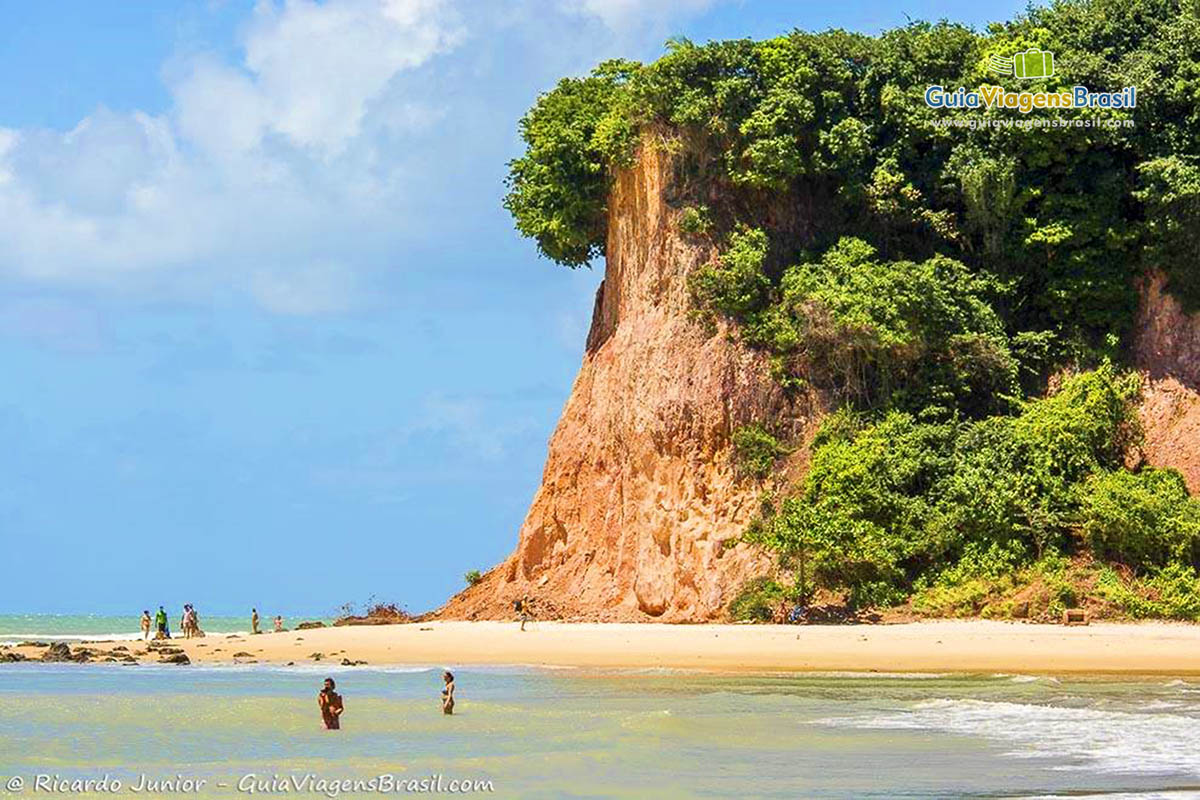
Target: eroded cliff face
(1167,351)
(639,509)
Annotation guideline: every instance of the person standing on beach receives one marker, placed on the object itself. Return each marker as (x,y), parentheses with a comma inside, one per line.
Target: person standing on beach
(160,624)
(278,623)
(254,620)
(448,693)
(145,624)
(330,703)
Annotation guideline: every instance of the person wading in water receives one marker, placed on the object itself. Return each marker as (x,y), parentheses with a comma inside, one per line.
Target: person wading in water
(448,693)
(330,703)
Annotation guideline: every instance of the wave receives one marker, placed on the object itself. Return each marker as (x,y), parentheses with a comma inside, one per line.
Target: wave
(1077,738)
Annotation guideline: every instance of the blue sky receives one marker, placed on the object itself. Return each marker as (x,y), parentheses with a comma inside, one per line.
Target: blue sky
(269,336)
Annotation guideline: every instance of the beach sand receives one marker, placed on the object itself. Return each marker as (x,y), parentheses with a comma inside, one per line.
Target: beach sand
(974,646)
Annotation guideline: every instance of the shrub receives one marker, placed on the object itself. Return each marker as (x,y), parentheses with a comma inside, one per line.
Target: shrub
(736,286)
(1144,519)
(757,601)
(473,577)
(901,504)
(1171,592)
(695,220)
(755,451)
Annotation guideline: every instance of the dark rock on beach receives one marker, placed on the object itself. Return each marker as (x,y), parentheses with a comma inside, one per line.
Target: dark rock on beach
(11,657)
(61,651)
(304,626)
(175,658)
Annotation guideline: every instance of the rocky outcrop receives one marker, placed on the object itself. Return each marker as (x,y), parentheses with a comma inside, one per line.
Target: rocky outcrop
(639,510)
(62,652)
(1167,351)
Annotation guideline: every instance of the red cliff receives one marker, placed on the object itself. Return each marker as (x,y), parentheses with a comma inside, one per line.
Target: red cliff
(639,510)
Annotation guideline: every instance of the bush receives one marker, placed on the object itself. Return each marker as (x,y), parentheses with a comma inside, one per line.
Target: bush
(755,451)
(1144,519)
(737,285)
(695,220)
(899,504)
(473,577)
(757,601)
(1170,592)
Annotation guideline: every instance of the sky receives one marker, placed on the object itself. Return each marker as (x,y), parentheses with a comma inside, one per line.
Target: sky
(268,334)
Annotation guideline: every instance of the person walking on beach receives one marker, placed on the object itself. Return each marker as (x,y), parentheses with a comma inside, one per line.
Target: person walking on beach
(524,611)
(448,693)
(254,621)
(160,624)
(145,624)
(330,703)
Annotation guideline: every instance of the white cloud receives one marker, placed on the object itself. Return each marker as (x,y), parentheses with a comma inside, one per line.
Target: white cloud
(268,161)
(319,65)
(294,172)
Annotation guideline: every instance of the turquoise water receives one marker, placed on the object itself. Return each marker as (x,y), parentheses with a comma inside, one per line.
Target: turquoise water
(579,733)
(68,627)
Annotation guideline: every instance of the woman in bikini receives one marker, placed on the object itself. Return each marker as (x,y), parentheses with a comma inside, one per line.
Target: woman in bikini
(448,693)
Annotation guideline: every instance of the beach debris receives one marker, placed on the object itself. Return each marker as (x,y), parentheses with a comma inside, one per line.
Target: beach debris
(304,626)
(290,664)
(1075,616)
(424,629)
(9,657)
(348,663)
(316,656)
(175,658)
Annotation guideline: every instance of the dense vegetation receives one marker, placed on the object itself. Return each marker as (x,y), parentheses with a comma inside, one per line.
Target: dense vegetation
(931,279)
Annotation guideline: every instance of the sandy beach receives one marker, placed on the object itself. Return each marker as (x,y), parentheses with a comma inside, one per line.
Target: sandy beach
(974,646)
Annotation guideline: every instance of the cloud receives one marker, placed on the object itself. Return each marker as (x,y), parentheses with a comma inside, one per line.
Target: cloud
(281,160)
(344,136)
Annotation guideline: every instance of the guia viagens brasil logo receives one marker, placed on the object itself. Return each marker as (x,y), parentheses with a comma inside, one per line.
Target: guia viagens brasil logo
(1028,65)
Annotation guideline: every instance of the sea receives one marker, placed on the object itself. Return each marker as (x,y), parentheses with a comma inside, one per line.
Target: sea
(81,627)
(525,732)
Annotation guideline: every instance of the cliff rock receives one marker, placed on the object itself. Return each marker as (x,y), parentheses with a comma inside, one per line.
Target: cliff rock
(640,507)
(1167,351)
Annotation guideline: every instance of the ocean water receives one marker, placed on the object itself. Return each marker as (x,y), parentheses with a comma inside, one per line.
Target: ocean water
(584,733)
(76,627)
